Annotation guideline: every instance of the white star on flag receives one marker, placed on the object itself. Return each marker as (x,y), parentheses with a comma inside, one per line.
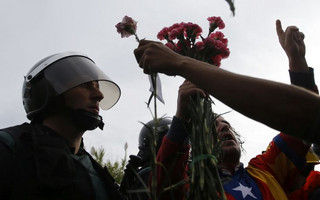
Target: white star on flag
(245,191)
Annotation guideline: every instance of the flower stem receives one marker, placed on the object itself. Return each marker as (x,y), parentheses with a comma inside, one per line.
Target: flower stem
(154,142)
(137,38)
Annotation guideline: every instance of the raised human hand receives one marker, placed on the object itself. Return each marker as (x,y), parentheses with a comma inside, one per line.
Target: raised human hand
(186,90)
(292,42)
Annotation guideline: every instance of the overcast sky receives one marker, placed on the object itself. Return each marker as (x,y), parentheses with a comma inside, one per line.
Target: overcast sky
(34,29)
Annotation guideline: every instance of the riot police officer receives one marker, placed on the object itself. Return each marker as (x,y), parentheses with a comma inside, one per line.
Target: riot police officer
(45,159)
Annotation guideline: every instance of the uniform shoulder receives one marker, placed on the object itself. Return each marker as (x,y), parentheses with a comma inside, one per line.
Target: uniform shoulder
(8,136)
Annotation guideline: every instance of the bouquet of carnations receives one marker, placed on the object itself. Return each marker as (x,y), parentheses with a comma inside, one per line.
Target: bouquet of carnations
(182,38)
(186,39)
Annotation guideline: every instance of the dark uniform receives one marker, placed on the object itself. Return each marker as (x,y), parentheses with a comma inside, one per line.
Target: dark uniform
(36,163)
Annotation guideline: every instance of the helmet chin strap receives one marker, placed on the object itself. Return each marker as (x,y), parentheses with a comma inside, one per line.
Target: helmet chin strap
(87,120)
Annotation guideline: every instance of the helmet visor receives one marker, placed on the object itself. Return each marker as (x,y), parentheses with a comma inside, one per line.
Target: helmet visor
(73,71)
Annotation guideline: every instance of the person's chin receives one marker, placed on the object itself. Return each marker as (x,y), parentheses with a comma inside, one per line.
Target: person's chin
(228,143)
(94,111)
(230,149)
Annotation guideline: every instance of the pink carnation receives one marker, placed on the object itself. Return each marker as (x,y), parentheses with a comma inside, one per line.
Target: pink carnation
(215,22)
(170,46)
(225,52)
(216,60)
(174,26)
(210,42)
(219,36)
(176,33)
(127,27)
(219,45)
(199,46)
(179,47)
(222,48)
(192,30)
(164,33)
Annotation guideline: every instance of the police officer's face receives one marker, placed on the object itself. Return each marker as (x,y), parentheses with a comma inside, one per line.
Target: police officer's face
(85,96)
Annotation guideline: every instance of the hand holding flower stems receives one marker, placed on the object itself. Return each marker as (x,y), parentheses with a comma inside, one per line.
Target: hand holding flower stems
(181,46)
(186,90)
(282,107)
(155,57)
(182,39)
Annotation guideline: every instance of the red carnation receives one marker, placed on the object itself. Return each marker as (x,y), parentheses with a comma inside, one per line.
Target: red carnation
(210,42)
(216,60)
(199,46)
(127,27)
(174,26)
(164,33)
(218,35)
(176,33)
(171,46)
(192,30)
(215,22)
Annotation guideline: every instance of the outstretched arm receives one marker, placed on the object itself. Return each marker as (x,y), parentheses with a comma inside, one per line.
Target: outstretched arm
(287,108)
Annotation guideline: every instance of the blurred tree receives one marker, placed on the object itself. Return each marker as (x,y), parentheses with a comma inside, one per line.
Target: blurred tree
(116,168)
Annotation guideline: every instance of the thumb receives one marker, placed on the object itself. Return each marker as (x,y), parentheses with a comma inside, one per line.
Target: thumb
(280,31)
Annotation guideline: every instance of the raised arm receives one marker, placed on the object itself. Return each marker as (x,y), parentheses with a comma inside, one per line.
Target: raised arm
(291,40)
(287,108)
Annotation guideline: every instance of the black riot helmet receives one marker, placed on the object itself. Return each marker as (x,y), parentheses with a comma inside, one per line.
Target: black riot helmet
(58,73)
(163,126)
